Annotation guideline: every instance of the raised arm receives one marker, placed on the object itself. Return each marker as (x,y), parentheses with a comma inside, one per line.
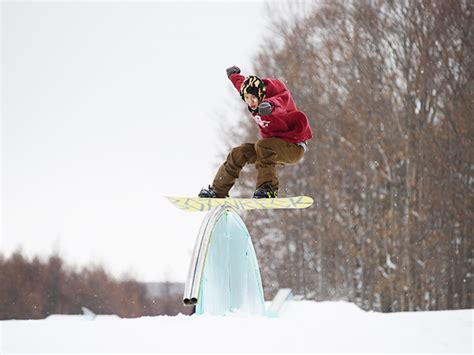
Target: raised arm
(233,73)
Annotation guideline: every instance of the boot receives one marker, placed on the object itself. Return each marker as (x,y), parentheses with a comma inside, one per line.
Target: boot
(208,193)
(265,191)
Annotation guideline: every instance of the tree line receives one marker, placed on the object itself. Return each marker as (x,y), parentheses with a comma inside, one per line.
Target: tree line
(388,88)
(35,289)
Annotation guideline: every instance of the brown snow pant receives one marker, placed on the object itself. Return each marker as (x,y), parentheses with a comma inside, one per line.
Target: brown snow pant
(266,153)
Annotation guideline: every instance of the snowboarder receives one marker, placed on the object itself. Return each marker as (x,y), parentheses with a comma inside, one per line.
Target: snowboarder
(285,132)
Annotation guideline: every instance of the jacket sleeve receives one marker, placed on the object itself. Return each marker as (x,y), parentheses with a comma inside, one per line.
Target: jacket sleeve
(298,128)
(237,80)
(281,99)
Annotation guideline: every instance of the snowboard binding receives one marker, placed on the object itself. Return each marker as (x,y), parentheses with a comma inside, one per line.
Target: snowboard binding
(207,193)
(266,191)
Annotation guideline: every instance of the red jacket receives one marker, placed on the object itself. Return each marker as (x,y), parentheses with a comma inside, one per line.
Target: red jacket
(285,121)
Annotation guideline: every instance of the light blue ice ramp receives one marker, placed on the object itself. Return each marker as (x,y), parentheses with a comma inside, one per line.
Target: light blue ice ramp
(224,275)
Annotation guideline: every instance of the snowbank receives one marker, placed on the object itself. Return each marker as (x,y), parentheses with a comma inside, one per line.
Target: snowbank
(304,327)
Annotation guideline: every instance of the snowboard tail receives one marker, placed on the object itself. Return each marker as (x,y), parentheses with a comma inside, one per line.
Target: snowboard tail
(198,204)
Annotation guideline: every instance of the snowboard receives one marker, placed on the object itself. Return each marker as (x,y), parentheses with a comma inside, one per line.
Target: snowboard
(199,204)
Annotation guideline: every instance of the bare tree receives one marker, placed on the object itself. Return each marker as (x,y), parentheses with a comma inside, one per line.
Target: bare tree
(387,86)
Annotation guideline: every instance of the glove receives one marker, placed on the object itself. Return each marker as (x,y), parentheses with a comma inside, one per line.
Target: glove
(265,108)
(232,70)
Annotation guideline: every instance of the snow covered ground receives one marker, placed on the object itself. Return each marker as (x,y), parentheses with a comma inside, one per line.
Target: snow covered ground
(305,326)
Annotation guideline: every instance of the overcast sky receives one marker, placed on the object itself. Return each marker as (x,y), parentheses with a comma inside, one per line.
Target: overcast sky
(106,108)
